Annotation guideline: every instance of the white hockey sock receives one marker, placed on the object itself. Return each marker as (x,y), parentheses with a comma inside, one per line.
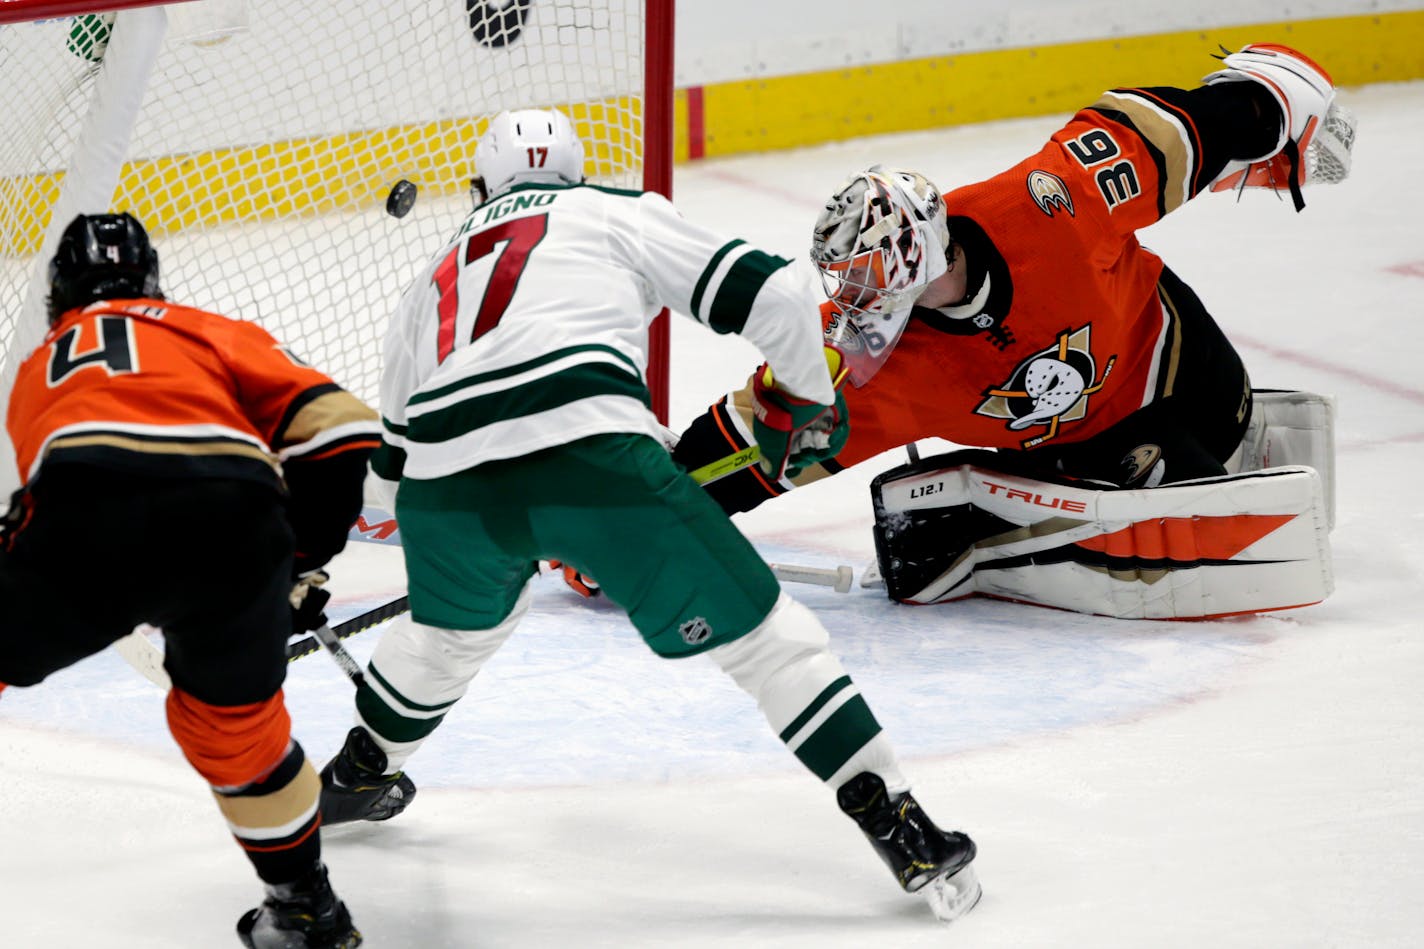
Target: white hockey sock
(415,676)
(807,697)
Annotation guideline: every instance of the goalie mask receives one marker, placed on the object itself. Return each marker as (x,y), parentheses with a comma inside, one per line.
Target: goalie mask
(529,146)
(878,243)
(101,257)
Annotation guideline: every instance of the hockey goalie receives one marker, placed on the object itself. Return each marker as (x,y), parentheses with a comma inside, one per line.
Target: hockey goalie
(1135,471)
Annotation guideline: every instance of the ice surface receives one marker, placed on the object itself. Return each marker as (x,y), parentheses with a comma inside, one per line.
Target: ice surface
(1254,782)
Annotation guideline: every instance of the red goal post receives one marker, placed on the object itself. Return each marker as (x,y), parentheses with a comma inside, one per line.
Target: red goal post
(258,142)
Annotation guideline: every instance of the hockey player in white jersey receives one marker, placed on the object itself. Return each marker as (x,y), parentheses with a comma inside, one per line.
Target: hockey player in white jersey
(514,367)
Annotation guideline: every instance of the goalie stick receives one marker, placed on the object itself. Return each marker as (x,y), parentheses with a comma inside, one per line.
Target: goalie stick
(726,467)
(330,637)
(839,579)
(378,526)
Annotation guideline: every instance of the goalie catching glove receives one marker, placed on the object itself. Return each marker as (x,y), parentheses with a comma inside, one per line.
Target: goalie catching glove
(1316,134)
(793,433)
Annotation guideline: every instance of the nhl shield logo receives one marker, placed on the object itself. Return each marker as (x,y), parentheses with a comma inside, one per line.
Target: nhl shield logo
(695,631)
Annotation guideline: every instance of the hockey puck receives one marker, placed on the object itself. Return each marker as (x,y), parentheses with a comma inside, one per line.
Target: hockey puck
(401,199)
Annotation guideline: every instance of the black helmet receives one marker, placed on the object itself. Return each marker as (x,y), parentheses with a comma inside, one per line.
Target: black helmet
(100,257)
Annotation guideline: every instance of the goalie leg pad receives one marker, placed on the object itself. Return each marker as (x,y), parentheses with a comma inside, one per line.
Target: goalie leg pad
(952,526)
(1290,428)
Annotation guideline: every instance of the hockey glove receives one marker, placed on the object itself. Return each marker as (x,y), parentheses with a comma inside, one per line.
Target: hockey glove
(309,598)
(793,433)
(580,583)
(1316,135)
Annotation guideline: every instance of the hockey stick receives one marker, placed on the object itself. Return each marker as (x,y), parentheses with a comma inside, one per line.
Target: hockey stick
(147,659)
(725,467)
(838,579)
(325,635)
(357,624)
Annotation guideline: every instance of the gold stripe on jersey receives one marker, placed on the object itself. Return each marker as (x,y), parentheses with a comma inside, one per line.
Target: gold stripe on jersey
(1163,132)
(159,446)
(323,413)
(1172,353)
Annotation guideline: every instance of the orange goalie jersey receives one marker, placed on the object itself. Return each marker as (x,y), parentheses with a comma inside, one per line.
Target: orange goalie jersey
(1073,346)
(1069,331)
(148,386)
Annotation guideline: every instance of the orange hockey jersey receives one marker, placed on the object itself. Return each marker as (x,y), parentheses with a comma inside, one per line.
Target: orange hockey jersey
(151,387)
(1066,330)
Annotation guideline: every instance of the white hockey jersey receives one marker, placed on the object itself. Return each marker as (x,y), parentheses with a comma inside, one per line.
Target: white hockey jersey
(530,328)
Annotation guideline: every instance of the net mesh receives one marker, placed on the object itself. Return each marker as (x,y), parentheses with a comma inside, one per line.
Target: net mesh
(261,160)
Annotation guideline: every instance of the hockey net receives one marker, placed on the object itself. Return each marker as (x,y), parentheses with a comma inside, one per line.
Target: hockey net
(258,143)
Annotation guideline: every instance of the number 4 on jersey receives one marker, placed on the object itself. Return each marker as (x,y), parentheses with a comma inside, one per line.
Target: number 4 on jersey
(518,238)
(115,353)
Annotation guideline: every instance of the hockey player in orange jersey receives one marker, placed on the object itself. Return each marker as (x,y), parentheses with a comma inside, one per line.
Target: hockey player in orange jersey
(1021,313)
(185,470)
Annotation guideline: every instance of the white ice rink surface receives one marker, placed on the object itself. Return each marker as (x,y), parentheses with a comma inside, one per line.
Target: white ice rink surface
(1256,782)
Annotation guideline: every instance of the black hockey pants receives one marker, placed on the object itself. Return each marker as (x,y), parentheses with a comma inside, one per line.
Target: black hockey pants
(90,553)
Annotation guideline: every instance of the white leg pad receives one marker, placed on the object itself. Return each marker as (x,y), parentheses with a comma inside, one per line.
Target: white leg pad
(1241,543)
(1291,428)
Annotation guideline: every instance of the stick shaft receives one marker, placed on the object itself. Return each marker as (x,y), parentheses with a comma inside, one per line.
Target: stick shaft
(729,465)
(357,624)
(839,578)
(327,637)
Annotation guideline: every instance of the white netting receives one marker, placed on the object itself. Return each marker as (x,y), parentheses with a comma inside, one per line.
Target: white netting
(261,162)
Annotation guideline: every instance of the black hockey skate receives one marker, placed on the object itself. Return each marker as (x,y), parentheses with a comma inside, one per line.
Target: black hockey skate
(922,857)
(301,915)
(353,787)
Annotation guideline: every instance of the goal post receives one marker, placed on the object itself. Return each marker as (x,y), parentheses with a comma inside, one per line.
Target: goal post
(258,142)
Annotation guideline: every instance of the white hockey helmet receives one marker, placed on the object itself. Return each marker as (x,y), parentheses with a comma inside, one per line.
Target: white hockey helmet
(529,145)
(881,238)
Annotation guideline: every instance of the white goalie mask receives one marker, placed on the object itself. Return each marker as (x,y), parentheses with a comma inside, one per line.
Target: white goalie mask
(528,146)
(879,241)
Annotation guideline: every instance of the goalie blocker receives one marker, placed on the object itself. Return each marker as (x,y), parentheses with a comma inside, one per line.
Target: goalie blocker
(957,524)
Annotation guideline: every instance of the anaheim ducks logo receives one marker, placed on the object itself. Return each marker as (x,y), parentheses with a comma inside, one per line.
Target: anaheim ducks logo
(1049,192)
(1048,388)
(1141,464)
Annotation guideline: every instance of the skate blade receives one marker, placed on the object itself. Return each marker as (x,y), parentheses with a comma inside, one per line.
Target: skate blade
(953,895)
